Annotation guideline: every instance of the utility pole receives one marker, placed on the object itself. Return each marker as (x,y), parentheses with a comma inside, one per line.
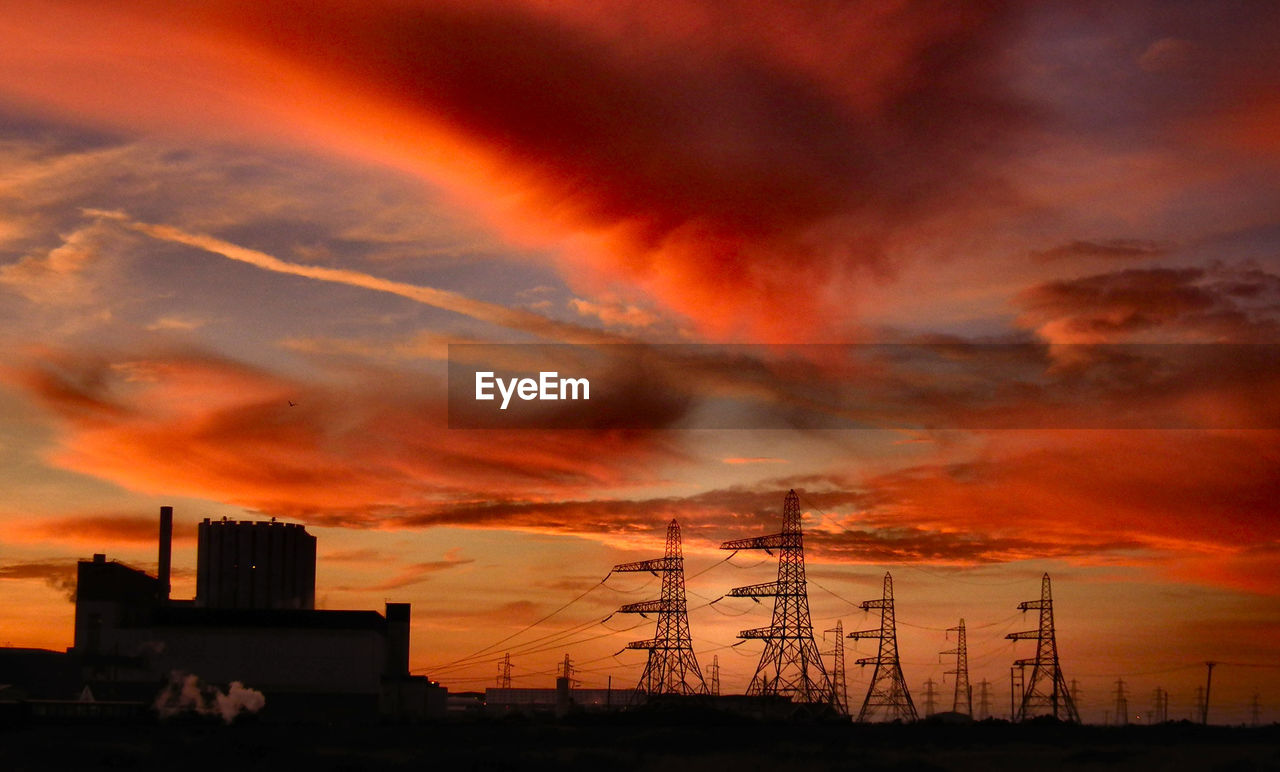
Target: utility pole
(671,668)
(1208,685)
(984,699)
(504,671)
(1046,690)
(929,694)
(963,700)
(1122,704)
(790,665)
(839,685)
(887,692)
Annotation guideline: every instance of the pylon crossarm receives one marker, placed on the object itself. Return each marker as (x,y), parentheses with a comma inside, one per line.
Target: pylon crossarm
(656,565)
(868,661)
(758,632)
(861,634)
(868,605)
(1031,605)
(773,541)
(1025,635)
(651,644)
(644,607)
(763,590)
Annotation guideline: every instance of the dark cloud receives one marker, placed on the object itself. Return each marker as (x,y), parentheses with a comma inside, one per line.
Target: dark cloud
(1158,304)
(1112,249)
(106,529)
(59,574)
(731,168)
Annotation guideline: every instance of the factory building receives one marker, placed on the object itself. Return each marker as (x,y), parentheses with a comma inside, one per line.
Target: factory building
(253,620)
(245,564)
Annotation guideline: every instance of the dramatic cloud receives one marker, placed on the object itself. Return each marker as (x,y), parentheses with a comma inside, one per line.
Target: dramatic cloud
(1192,305)
(99,529)
(1208,498)
(205,426)
(714,164)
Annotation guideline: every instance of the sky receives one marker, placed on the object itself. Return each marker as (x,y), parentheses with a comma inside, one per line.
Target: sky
(211,210)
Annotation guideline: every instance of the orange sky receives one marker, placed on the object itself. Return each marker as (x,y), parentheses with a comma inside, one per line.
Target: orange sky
(208,211)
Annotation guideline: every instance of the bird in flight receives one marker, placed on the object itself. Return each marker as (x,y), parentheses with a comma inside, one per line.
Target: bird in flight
(292,403)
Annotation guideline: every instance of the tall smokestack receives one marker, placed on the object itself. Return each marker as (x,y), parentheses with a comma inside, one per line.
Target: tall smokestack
(397,640)
(166,550)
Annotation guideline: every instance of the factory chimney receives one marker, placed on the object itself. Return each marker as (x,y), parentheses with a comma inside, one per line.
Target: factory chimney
(166,551)
(397,659)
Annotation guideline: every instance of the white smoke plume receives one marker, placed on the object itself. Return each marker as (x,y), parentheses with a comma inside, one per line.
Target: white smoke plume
(186,693)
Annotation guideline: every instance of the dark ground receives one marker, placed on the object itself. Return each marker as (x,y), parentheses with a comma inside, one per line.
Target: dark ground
(662,744)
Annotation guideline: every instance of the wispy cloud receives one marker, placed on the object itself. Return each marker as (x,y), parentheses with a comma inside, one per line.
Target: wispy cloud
(512,318)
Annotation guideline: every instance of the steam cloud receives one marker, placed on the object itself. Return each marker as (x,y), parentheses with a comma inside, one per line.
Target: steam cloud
(187,693)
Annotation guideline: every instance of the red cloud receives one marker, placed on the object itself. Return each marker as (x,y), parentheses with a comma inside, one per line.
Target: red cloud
(1206,499)
(204,426)
(715,163)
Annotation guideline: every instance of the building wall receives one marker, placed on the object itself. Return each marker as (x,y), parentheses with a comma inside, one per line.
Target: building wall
(266,659)
(545,700)
(245,564)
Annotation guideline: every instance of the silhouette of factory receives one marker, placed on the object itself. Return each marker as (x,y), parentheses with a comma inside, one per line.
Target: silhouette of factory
(253,621)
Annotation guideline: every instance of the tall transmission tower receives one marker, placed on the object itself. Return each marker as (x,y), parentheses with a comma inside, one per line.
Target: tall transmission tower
(887,695)
(1255,711)
(672,668)
(1199,709)
(1045,691)
(839,686)
(984,699)
(929,694)
(1159,706)
(504,671)
(1122,704)
(790,665)
(963,700)
(715,675)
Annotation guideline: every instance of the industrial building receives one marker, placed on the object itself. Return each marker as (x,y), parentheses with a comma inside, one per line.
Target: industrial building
(253,620)
(248,564)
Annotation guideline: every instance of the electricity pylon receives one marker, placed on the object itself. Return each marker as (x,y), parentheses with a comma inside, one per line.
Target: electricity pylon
(963,700)
(1045,692)
(1122,704)
(929,693)
(887,694)
(504,671)
(672,668)
(715,675)
(790,665)
(984,699)
(1159,706)
(839,686)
